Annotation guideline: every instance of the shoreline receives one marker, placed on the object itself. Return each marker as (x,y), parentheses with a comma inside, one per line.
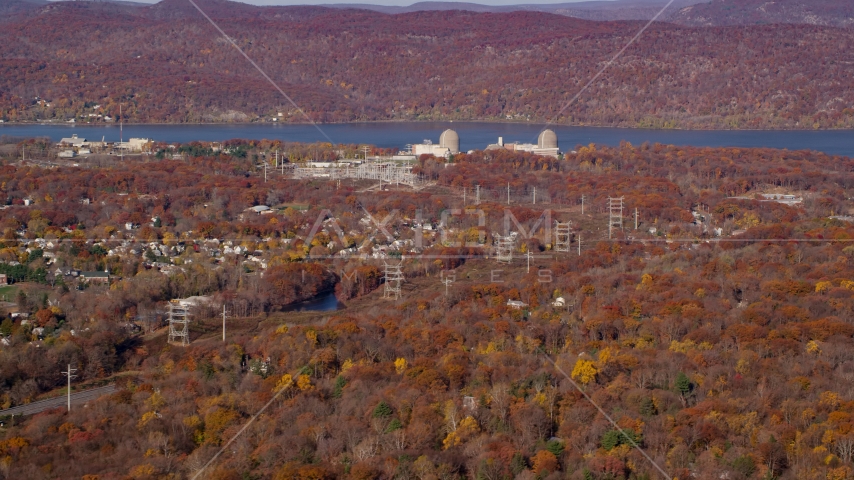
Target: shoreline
(413,122)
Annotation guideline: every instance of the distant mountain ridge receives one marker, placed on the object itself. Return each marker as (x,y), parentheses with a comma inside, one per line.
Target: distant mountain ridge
(166,63)
(837,13)
(11,7)
(590,10)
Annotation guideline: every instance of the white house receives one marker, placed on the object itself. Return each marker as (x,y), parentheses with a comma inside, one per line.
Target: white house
(259,209)
(516,304)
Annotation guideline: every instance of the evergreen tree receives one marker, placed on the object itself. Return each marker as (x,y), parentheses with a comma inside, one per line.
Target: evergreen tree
(338,390)
(382,410)
(683,387)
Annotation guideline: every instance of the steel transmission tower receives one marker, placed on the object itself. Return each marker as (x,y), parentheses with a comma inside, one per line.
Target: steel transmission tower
(393,278)
(563,236)
(179,323)
(504,248)
(615,215)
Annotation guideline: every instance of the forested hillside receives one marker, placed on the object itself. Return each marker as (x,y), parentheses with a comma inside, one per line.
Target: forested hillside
(9,7)
(685,12)
(165,63)
(752,12)
(590,10)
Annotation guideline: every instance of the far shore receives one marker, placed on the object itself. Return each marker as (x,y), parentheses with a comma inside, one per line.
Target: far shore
(380,122)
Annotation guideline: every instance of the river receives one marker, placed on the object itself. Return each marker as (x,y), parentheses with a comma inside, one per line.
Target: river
(473,135)
(325,302)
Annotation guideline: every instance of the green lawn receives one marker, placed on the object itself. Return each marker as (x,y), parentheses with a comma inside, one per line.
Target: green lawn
(9,293)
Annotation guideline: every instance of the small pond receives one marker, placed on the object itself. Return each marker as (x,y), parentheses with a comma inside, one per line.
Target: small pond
(325,302)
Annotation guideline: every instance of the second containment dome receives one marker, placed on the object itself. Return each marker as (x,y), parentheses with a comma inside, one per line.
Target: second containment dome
(450,140)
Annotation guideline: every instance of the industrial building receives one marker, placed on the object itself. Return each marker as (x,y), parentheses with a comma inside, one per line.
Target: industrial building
(73,141)
(449,144)
(547,145)
(135,145)
(82,146)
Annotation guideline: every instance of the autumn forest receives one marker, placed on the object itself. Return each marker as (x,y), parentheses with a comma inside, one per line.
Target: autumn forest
(267,309)
(716,336)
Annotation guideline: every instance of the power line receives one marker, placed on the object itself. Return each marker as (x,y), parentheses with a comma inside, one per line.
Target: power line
(393,278)
(448,282)
(563,236)
(615,215)
(179,320)
(504,248)
(224,314)
(69,374)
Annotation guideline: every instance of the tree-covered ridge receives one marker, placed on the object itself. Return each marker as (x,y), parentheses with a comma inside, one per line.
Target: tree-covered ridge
(752,12)
(165,63)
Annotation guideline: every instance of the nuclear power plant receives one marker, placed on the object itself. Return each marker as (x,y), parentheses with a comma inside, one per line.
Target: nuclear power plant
(546,146)
(547,140)
(397,169)
(449,144)
(450,140)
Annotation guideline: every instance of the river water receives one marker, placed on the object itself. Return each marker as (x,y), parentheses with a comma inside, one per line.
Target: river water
(325,302)
(473,135)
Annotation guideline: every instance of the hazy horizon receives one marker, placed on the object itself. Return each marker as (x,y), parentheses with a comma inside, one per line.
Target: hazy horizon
(405,3)
(388,3)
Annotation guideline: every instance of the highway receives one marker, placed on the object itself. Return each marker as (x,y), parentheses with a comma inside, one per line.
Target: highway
(79,398)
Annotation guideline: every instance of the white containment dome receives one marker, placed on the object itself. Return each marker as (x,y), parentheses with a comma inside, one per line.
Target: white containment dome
(547,139)
(450,140)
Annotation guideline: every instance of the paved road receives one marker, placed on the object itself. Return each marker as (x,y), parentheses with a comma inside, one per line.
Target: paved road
(79,398)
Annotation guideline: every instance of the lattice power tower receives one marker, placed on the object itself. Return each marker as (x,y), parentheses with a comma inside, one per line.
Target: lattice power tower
(615,215)
(393,279)
(179,322)
(563,236)
(504,248)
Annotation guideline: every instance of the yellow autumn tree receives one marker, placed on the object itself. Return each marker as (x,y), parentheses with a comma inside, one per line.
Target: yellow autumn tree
(584,371)
(284,383)
(146,417)
(646,282)
(304,382)
(216,422)
(400,365)
(813,347)
(144,470)
(467,428)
